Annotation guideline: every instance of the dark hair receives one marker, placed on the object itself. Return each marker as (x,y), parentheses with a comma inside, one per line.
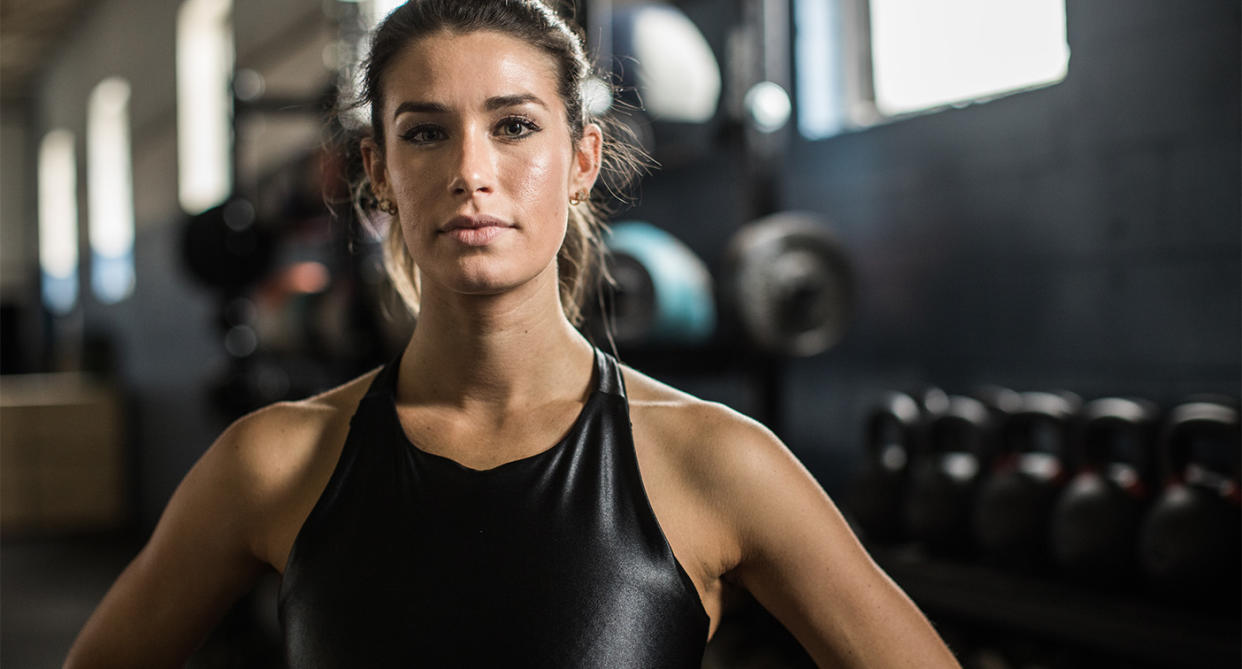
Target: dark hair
(580,259)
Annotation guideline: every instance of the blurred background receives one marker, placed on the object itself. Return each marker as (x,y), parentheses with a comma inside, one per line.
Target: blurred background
(977,263)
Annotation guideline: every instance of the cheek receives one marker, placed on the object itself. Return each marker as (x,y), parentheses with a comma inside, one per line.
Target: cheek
(540,181)
(409,193)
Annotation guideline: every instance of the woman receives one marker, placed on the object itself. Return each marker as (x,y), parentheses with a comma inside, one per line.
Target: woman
(503,493)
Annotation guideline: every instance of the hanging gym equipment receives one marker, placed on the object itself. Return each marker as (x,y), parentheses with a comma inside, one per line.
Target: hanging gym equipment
(662,292)
(667,77)
(789,283)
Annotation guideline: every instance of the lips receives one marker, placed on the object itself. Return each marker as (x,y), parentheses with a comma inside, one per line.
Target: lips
(475,230)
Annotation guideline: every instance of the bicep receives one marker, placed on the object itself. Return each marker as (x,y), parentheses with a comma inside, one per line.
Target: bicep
(196,563)
(803,563)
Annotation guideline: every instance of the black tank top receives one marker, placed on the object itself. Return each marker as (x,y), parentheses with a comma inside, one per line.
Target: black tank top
(410,559)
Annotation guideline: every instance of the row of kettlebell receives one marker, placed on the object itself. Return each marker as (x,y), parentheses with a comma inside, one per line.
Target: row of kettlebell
(1106,491)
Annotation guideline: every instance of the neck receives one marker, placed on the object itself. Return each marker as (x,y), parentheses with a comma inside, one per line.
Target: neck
(502,350)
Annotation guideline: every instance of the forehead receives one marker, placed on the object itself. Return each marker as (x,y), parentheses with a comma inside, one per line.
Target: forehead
(460,68)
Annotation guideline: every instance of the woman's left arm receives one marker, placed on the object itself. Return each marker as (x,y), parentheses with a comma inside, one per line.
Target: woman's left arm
(802,562)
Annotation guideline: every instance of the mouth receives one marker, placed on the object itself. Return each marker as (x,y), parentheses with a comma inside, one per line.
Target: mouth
(477,222)
(477,230)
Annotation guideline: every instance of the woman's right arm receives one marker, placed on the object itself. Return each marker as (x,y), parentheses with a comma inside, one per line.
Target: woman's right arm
(199,560)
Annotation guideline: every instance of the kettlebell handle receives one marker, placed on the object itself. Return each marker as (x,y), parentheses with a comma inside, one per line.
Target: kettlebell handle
(962,425)
(901,410)
(1180,425)
(1102,418)
(1036,409)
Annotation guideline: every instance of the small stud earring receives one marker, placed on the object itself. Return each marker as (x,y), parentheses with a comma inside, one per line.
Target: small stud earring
(385,205)
(577,198)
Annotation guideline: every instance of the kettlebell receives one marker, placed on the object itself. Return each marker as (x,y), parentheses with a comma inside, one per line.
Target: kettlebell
(1017,496)
(1096,519)
(1189,540)
(945,477)
(890,437)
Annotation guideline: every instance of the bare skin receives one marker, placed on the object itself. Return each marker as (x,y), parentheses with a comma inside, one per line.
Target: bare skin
(493,355)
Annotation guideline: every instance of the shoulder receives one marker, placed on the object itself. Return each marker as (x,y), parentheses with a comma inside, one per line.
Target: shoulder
(770,528)
(271,465)
(702,433)
(722,455)
(266,439)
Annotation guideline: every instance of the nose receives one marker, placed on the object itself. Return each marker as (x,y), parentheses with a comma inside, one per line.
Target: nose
(475,170)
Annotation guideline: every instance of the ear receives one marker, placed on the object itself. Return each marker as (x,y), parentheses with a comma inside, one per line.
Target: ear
(376,168)
(587,156)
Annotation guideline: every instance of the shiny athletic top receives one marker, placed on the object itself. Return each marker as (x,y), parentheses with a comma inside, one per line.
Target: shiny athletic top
(410,559)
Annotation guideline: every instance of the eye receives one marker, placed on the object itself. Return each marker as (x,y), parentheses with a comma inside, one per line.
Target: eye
(516,127)
(423,134)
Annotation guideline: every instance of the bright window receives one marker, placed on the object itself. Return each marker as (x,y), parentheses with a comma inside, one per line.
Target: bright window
(58,221)
(821,68)
(860,61)
(929,54)
(204,103)
(110,190)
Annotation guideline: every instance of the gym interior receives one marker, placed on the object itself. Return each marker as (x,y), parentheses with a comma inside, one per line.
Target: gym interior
(977,264)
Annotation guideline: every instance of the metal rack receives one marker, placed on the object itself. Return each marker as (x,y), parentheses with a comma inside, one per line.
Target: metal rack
(1121,624)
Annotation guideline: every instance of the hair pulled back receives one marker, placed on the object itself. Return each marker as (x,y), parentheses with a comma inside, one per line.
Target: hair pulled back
(580,259)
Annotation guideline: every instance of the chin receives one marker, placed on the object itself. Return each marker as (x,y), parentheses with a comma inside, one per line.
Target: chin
(491,281)
(492,275)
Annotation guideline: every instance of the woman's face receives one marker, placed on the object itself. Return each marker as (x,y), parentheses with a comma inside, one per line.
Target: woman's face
(478,159)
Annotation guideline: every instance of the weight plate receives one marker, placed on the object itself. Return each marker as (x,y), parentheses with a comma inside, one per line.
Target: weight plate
(790,284)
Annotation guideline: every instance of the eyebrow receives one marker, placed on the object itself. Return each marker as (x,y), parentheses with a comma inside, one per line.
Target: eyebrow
(492,104)
(502,101)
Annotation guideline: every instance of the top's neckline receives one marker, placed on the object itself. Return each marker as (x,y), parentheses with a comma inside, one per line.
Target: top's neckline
(606,379)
